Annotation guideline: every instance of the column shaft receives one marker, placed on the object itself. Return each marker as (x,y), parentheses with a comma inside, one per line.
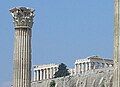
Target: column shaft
(51,72)
(23,20)
(80,68)
(44,75)
(22,57)
(86,66)
(116,73)
(47,71)
(35,75)
(75,69)
(41,75)
(89,65)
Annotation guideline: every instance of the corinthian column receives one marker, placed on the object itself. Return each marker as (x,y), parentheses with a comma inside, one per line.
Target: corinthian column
(116,73)
(23,21)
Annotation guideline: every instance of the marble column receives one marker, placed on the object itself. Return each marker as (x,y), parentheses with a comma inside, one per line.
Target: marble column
(86,66)
(83,67)
(51,72)
(41,74)
(75,69)
(47,73)
(35,75)
(23,21)
(89,65)
(44,74)
(82,64)
(116,73)
(80,68)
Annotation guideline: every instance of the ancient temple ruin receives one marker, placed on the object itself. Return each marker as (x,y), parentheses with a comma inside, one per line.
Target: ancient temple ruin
(87,74)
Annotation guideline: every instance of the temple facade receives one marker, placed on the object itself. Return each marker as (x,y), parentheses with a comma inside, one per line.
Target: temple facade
(91,63)
(82,66)
(46,71)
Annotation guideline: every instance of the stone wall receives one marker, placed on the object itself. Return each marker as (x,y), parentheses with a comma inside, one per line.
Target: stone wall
(97,78)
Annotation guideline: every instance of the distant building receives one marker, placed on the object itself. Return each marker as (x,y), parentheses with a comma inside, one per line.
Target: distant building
(47,71)
(91,63)
(42,72)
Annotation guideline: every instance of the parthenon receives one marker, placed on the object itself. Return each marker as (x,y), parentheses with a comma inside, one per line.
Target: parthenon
(91,63)
(23,21)
(82,66)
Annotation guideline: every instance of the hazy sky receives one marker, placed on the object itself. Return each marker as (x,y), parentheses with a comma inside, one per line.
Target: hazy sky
(63,31)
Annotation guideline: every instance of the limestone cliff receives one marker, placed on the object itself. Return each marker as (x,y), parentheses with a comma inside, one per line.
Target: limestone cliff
(94,78)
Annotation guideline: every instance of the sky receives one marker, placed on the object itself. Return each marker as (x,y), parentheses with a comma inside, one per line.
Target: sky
(63,31)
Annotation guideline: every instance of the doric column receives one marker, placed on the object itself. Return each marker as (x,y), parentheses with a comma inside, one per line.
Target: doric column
(116,75)
(35,75)
(44,74)
(23,21)
(89,65)
(86,66)
(75,69)
(47,70)
(41,74)
(83,67)
(80,68)
(51,72)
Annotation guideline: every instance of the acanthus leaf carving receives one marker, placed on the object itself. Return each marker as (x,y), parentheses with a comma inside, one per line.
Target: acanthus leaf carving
(23,17)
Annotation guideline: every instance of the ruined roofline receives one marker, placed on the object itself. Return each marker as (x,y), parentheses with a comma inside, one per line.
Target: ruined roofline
(93,57)
(44,65)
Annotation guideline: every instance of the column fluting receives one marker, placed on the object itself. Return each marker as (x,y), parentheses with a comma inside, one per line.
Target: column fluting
(23,20)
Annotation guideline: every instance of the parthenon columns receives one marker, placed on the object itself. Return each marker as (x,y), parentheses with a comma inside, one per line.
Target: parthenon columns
(84,67)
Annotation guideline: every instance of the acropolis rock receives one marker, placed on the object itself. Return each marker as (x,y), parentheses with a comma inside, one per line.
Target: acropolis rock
(97,78)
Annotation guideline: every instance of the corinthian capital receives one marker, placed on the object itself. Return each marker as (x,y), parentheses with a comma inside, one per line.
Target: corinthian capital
(23,17)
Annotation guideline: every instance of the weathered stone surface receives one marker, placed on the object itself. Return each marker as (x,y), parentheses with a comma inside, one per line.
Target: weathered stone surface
(23,19)
(116,74)
(97,78)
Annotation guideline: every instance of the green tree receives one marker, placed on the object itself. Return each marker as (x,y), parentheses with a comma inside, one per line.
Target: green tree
(62,71)
(52,83)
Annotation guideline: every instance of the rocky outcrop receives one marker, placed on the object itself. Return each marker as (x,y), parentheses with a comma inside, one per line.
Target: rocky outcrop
(94,78)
